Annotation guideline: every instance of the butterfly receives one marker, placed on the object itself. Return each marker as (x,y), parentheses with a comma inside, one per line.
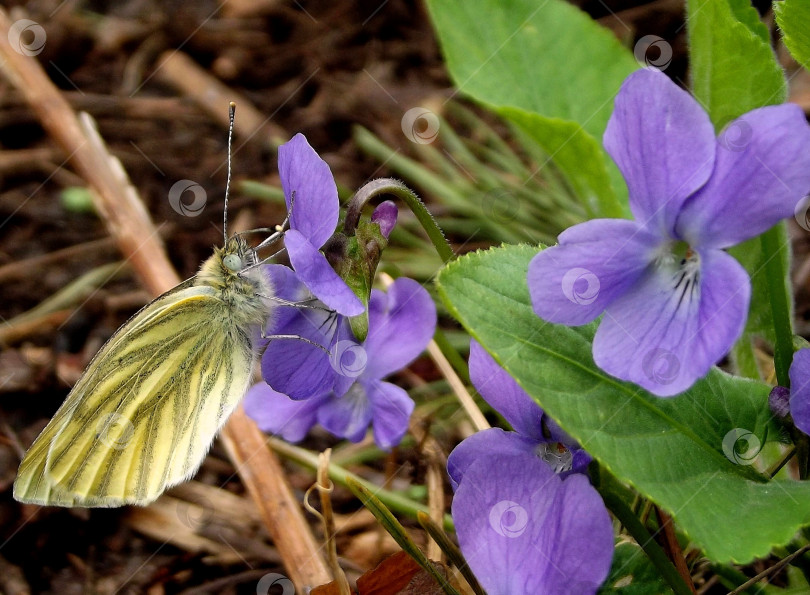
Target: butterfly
(145,412)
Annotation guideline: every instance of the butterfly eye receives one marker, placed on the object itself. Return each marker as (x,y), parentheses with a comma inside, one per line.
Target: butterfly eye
(232,262)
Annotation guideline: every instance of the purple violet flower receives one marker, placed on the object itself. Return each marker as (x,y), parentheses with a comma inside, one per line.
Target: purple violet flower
(312,201)
(800,390)
(535,433)
(345,389)
(522,525)
(674,301)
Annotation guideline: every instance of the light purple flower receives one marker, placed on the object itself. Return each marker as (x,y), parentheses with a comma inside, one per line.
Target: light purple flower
(524,529)
(800,390)
(674,301)
(312,201)
(527,518)
(344,389)
(535,433)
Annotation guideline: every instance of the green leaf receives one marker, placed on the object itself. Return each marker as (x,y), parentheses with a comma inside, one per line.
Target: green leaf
(760,315)
(670,450)
(632,573)
(549,59)
(748,16)
(793,18)
(580,158)
(734,69)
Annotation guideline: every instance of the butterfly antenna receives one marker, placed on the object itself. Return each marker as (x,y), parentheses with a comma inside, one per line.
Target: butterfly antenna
(231,115)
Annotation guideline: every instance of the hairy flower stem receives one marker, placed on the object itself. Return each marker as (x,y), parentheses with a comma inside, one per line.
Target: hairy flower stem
(400,190)
(780,305)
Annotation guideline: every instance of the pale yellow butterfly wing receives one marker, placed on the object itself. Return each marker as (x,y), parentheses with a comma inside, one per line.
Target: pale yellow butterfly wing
(172,376)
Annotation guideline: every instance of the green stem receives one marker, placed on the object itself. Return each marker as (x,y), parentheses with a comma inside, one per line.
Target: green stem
(400,190)
(639,532)
(776,275)
(392,500)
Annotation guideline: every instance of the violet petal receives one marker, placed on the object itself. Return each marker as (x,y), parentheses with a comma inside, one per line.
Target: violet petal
(314,212)
(286,286)
(391,412)
(297,368)
(386,216)
(485,443)
(800,390)
(762,171)
(595,262)
(400,325)
(277,414)
(505,395)
(347,416)
(522,529)
(663,143)
(320,278)
(779,401)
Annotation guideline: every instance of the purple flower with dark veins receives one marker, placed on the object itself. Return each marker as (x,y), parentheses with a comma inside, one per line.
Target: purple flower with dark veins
(527,518)
(674,301)
(344,389)
(535,432)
